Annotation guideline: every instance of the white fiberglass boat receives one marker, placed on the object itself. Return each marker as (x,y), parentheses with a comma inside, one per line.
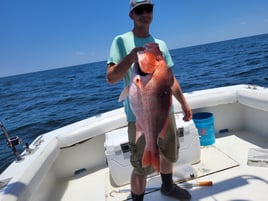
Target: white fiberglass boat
(88,160)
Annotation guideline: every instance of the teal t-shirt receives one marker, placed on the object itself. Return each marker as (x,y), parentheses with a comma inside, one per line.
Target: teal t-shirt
(121,46)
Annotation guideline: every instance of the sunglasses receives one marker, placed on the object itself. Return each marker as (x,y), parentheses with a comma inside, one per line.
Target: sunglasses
(140,9)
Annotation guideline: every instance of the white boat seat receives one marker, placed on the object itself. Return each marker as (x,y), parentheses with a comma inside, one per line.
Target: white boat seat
(84,130)
(255,99)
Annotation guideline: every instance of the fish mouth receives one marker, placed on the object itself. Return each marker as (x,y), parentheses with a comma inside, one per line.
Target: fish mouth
(140,72)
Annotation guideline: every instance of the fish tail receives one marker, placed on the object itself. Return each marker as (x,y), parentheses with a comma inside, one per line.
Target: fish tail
(156,163)
(150,159)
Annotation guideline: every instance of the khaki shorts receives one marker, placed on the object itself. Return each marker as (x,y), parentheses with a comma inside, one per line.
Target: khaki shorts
(168,147)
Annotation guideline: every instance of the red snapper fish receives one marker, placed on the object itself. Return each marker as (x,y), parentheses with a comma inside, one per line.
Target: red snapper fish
(150,99)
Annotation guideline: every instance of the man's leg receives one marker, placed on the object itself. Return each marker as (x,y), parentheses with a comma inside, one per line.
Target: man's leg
(139,174)
(138,184)
(166,170)
(169,153)
(169,188)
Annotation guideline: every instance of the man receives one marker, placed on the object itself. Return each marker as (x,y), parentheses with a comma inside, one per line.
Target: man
(123,55)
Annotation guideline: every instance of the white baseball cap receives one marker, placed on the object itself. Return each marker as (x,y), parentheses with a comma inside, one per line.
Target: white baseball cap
(135,3)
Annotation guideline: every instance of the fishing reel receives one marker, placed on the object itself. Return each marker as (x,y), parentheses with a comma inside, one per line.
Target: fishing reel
(12,142)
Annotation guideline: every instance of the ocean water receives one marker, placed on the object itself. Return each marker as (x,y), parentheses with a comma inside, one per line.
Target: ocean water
(35,103)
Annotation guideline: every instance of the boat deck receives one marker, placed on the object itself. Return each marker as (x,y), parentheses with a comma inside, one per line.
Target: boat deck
(238,181)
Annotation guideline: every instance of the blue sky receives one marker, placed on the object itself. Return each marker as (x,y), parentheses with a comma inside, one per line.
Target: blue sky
(46,34)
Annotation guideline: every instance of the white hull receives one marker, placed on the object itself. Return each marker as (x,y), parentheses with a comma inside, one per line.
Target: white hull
(51,171)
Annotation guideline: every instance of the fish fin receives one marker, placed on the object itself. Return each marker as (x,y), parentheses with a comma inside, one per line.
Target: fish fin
(138,133)
(124,94)
(163,132)
(150,159)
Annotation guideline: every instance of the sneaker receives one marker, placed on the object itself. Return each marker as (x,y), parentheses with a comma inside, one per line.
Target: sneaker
(177,192)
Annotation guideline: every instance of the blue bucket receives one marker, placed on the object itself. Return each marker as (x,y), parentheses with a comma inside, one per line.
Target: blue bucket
(204,122)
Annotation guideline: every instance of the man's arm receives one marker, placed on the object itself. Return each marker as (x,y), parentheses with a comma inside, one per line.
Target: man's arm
(177,92)
(115,72)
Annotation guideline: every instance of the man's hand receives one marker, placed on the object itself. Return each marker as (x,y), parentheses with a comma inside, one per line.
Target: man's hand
(187,112)
(133,54)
